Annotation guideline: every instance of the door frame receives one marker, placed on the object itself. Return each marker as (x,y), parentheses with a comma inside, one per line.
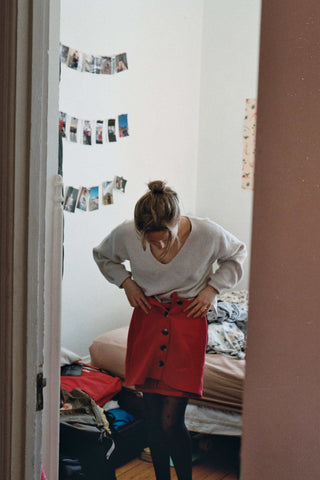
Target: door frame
(29,152)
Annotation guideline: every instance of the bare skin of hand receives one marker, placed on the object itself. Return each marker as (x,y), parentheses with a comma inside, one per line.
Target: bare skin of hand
(135,295)
(201,304)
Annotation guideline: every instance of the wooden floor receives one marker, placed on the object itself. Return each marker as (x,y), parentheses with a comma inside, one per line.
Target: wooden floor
(139,469)
(220,463)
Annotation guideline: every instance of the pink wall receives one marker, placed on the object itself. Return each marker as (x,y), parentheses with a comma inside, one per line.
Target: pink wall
(281,439)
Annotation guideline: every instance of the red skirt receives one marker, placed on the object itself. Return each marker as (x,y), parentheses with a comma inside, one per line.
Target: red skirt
(158,386)
(166,349)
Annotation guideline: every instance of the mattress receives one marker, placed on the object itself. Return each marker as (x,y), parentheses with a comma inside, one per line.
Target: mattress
(223,375)
(213,421)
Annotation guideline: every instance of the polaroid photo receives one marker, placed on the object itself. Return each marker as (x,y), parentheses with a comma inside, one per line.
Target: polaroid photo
(121,62)
(120,183)
(99,132)
(87,128)
(64,51)
(94,199)
(123,125)
(88,64)
(74,60)
(112,130)
(70,200)
(62,123)
(68,121)
(97,65)
(83,200)
(107,65)
(107,193)
(73,129)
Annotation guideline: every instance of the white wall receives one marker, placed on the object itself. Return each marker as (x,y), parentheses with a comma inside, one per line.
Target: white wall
(229,76)
(192,64)
(160,92)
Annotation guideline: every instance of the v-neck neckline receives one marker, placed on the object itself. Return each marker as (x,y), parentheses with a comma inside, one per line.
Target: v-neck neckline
(178,252)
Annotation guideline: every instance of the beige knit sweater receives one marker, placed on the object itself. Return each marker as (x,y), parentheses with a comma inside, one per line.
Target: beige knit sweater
(210,256)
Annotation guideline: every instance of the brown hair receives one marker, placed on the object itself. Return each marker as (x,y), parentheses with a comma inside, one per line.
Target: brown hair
(158,209)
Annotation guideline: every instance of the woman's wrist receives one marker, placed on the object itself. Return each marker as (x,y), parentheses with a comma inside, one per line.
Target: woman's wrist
(125,282)
(214,291)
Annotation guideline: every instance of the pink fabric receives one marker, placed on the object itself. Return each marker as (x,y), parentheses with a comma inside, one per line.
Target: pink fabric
(43,474)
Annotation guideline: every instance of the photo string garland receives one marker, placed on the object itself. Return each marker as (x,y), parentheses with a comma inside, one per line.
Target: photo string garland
(93,132)
(84,62)
(88,199)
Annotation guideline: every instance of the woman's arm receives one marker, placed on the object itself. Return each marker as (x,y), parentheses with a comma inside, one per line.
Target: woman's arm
(231,257)
(110,254)
(229,253)
(135,295)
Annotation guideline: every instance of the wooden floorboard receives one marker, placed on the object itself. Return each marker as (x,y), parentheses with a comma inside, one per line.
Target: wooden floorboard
(134,470)
(138,469)
(204,469)
(220,463)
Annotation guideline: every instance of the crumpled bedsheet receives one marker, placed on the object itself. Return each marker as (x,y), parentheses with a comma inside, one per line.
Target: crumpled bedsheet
(227,325)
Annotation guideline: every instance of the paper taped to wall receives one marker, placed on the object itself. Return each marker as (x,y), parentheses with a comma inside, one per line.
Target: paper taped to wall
(249,144)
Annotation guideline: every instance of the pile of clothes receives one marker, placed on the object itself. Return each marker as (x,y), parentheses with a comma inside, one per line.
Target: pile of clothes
(227,326)
(96,434)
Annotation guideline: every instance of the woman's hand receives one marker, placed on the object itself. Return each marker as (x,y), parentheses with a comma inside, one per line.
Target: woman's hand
(135,295)
(201,304)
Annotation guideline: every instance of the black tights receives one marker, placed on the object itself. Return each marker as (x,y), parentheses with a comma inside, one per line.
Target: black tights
(168,435)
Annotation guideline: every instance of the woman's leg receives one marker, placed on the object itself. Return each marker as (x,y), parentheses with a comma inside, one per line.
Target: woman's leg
(177,435)
(157,442)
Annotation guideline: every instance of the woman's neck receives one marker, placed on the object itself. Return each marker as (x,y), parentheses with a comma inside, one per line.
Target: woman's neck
(184,229)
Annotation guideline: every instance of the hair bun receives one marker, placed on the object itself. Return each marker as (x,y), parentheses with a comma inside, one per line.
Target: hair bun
(157,186)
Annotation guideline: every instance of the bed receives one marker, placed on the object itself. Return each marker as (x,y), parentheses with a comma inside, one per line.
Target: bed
(218,412)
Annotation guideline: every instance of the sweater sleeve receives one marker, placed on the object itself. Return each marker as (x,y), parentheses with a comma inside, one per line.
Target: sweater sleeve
(230,257)
(110,255)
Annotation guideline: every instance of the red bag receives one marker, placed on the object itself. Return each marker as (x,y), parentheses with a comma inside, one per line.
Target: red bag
(95,382)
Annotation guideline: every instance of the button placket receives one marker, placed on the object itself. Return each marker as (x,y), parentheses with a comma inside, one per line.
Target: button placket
(164,345)
(178,306)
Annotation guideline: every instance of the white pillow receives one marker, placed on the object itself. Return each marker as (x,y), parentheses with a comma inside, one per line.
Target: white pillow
(67,357)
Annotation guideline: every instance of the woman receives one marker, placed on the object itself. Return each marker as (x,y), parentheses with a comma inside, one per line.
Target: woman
(171,287)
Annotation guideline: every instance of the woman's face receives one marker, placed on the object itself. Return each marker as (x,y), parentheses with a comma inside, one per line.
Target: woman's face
(159,239)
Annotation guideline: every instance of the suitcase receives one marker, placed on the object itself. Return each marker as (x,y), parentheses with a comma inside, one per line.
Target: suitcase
(129,441)
(86,446)
(132,401)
